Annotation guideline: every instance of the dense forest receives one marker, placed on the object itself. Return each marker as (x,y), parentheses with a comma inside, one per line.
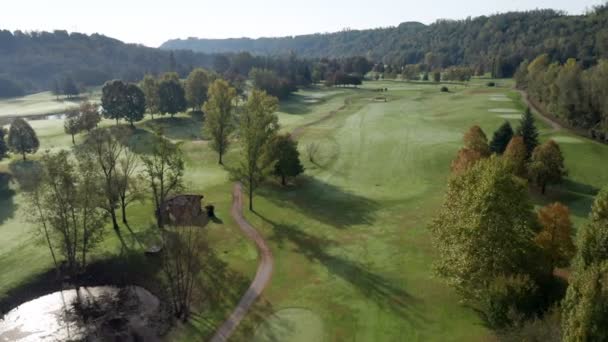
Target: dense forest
(575,95)
(491,43)
(34,61)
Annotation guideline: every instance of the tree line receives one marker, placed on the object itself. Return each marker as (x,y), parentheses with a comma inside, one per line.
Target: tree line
(572,93)
(496,43)
(37,61)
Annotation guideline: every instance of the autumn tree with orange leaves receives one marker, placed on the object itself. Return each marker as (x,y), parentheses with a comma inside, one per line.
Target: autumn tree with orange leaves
(475,148)
(555,237)
(515,155)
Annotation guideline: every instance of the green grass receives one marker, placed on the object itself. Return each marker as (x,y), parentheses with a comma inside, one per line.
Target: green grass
(352,253)
(43,103)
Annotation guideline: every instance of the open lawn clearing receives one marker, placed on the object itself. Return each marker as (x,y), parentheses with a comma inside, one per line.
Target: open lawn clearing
(43,103)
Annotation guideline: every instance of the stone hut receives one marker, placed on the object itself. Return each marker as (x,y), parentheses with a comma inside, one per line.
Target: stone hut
(184,210)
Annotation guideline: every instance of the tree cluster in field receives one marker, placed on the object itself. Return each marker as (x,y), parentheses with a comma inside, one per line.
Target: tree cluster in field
(569,91)
(75,194)
(501,255)
(496,43)
(542,164)
(66,87)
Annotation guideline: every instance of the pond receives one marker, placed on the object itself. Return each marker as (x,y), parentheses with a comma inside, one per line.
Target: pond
(93,313)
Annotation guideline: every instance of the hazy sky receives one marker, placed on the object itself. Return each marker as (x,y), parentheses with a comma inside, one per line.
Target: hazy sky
(152,22)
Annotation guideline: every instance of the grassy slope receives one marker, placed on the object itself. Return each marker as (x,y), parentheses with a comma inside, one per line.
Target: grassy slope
(349,239)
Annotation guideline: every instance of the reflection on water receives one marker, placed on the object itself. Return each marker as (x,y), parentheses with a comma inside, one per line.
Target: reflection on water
(102,310)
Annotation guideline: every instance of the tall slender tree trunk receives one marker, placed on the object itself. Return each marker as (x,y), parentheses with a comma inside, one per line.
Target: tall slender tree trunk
(23,154)
(159,218)
(123,206)
(73,141)
(220,161)
(114,222)
(250,198)
(283,182)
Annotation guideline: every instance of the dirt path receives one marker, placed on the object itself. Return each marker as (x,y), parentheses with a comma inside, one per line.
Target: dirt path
(541,114)
(262,276)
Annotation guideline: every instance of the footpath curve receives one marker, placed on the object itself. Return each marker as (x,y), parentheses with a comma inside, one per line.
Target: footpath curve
(262,276)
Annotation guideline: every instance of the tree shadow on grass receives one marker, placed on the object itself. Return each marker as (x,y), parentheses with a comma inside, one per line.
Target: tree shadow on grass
(27,174)
(178,128)
(387,294)
(297,104)
(222,289)
(7,202)
(324,202)
(577,196)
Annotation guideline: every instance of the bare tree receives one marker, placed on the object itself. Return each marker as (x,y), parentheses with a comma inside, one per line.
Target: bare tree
(106,148)
(181,264)
(67,204)
(164,170)
(129,185)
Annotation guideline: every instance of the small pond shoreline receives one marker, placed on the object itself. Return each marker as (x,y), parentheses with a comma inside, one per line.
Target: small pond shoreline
(112,272)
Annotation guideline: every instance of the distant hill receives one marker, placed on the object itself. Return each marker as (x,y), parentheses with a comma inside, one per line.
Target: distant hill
(33,61)
(484,41)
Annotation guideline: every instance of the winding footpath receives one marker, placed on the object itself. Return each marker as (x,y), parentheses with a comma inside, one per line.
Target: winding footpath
(262,276)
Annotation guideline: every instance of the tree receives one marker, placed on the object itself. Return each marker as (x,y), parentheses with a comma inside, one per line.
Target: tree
(515,156)
(164,169)
(128,183)
(555,237)
(219,119)
(475,148)
(89,116)
(527,129)
(22,138)
(585,307)
(593,239)
(437,76)
(465,159)
(71,125)
(484,230)
(197,85)
(501,138)
(69,87)
(547,165)
(285,152)
(56,89)
(475,139)
(181,265)
(3,146)
(66,204)
(105,148)
(171,95)
(258,126)
(135,104)
(113,99)
(149,85)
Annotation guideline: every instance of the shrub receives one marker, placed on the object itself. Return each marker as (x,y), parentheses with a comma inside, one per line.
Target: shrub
(546,328)
(445,89)
(491,84)
(508,300)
